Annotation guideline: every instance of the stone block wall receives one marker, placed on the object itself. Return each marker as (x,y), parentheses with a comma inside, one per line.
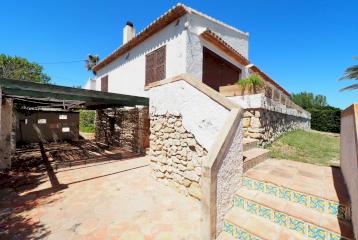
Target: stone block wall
(124,127)
(176,156)
(265,125)
(7,132)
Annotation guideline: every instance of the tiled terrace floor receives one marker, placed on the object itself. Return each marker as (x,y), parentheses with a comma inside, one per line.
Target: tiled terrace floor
(325,182)
(108,200)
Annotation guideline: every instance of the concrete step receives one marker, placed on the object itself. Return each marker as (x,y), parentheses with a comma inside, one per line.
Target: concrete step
(319,188)
(243,225)
(250,143)
(293,216)
(254,156)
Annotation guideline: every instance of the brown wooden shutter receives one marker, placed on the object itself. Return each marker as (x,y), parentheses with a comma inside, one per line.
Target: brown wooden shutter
(160,64)
(155,65)
(104,84)
(150,68)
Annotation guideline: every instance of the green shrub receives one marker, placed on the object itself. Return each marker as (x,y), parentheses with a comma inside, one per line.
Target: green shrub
(326,119)
(252,81)
(87,121)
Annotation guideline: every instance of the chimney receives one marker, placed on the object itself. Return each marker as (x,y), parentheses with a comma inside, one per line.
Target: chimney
(128,32)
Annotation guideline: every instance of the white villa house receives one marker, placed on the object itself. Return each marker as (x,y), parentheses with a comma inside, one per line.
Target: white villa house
(186,41)
(204,132)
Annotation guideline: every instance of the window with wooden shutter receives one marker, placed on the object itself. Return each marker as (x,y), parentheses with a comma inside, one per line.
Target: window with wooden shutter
(104,84)
(155,65)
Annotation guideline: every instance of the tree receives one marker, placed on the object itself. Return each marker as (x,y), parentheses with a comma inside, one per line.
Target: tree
(19,68)
(351,73)
(91,61)
(308,100)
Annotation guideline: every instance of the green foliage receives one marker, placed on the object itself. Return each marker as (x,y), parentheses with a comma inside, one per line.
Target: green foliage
(87,121)
(326,119)
(252,81)
(351,73)
(309,147)
(308,100)
(323,117)
(19,68)
(91,61)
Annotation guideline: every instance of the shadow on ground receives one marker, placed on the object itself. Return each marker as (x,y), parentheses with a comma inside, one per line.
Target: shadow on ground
(33,165)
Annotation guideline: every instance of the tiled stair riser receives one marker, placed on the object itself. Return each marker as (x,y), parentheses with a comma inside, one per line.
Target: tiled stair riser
(238,233)
(307,200)
(305,228)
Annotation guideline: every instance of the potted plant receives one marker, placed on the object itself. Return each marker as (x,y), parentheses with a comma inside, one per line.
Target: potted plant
(251,85)
(246,86)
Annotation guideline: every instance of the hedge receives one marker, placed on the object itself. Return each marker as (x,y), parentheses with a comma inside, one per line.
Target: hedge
(326,119)
(87,118)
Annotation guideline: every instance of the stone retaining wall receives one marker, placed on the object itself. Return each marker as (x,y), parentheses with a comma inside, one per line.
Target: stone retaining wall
(124,127)
(265,125)
(176,156)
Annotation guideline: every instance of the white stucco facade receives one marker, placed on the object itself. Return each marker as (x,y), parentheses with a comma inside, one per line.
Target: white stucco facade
(201,115)
(184,53)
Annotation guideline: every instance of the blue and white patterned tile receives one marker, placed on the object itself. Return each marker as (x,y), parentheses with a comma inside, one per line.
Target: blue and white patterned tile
(239,202)
(229,228)
(271,189)
(247,182)
(259,186)
(334,236)
(285,193)
(280,218)
(300,198)
(315,232)
(265,212)
(317,203)
(332,208)
(251,207)
(296,225)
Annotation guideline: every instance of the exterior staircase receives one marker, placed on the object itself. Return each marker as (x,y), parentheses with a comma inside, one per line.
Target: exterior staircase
(281,199)
(253,155)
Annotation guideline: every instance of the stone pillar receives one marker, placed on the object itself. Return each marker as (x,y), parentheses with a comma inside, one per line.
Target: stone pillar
(7,132)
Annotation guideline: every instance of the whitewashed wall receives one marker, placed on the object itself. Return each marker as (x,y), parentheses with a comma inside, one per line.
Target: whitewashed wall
(201,115)
(195,44)
(184,49)
(126,75)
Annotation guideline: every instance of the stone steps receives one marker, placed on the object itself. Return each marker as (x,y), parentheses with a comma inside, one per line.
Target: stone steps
(294,216)
(250,143)
(282,199)
(241,224)
(309,192)
(253,157)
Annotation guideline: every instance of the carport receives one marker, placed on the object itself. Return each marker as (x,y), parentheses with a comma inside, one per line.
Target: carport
(34,95)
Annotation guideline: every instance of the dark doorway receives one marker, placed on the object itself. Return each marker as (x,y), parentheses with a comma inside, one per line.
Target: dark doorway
(217,71)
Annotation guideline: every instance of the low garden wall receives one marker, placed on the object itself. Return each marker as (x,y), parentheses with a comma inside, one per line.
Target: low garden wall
(196,145)
(265,119)
(349,158)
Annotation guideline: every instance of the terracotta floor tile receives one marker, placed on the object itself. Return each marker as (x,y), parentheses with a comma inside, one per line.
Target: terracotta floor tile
(303,213)
(261,229)
(116,200)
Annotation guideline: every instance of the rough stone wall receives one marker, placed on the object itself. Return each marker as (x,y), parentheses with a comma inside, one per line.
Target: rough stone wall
(7,133)
(123,127)
(176,157)
(266,126)
(229,176)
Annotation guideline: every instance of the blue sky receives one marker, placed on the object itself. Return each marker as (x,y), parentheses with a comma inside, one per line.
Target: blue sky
(303,45)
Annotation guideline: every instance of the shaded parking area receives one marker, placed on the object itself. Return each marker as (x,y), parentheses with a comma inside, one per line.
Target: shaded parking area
(112,199)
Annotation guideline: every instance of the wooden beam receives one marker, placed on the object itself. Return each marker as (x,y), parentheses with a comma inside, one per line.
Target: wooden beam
(37,90)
